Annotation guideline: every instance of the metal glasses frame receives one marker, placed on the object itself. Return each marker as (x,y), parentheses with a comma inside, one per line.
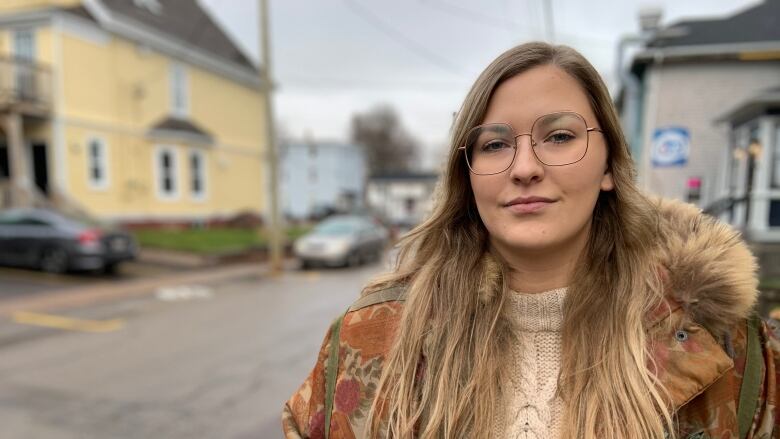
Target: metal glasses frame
(533,142)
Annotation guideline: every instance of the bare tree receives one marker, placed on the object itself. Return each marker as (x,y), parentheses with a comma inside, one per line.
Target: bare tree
(388,146)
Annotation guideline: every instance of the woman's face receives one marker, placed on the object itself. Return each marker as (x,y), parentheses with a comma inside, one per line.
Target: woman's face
(568,193)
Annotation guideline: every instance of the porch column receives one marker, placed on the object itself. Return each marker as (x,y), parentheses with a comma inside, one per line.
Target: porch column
(18,161)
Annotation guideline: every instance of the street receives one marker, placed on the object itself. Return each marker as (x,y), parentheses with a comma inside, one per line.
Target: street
(212,359)
(20,282)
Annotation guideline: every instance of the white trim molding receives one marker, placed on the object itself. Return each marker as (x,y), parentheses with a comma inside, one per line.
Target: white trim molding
(101,161)
(179,90)
(202,194)
(157,163)
(654,54)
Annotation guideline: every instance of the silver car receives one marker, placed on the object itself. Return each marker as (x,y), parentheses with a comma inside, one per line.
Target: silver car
(343,240)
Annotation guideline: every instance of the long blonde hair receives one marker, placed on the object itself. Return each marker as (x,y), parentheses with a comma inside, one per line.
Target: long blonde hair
(455,328)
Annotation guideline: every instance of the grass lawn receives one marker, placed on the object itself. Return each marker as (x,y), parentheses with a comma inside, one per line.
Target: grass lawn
(210,240)
(770,283)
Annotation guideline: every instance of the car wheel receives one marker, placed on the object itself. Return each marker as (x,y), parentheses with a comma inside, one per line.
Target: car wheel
(111,268)
(54,260)
(353,259)
(305,265)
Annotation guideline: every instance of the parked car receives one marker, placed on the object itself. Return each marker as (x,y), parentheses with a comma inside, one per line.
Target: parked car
(54,242)
(342,240)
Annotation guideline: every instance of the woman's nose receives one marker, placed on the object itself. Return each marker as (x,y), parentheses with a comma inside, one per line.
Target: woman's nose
(526,168)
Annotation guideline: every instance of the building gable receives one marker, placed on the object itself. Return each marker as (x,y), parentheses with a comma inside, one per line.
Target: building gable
(753,25)
(185,21)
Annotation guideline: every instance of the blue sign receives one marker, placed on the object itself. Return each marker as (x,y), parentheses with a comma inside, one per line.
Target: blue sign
(671,147)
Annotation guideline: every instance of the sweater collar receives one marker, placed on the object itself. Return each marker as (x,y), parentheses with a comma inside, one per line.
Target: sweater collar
(537,312)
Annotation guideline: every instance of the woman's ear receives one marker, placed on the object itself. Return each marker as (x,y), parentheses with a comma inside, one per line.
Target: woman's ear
(606,182)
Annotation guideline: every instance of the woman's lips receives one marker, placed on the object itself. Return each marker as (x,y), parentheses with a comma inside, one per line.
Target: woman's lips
(530,207)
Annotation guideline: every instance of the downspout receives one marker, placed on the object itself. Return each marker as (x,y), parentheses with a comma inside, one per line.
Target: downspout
(632,97)
(649,21)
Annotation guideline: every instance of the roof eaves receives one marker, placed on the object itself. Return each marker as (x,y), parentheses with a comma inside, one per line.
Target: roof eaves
(137,31)
(752,106)
(732,50)
(31,17)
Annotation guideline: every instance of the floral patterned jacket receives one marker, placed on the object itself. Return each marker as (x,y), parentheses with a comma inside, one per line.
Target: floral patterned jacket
(697,338)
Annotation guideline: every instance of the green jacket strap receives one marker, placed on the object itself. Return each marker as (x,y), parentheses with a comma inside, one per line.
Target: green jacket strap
(750,390)
(331,372)
(381,296)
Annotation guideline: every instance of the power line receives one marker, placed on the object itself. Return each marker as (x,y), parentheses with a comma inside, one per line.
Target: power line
(533,15)
(324,81)
(471,14)
(401,38)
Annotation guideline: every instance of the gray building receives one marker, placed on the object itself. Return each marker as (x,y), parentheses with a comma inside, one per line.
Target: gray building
(319,177)
(683,102)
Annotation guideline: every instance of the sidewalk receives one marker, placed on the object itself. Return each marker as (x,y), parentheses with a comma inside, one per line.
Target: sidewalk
(185,260)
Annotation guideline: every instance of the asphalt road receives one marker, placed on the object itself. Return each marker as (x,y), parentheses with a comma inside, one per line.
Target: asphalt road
(20,282)
(193,361)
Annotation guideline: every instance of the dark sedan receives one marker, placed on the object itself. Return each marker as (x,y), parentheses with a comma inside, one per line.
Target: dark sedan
(57,243)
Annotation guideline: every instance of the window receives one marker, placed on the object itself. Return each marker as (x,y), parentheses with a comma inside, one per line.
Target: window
(166,173)
(97,163)
(774,213)
(776,159)
(197,175)
(31,221)
(24,44)
(24,50)
(179,90)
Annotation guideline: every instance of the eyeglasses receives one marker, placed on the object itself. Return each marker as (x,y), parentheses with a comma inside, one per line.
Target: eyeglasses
(557,139)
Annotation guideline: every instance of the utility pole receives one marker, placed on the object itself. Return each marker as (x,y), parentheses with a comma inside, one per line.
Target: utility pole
(275,237)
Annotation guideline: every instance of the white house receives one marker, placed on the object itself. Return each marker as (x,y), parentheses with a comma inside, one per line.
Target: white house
(403,198)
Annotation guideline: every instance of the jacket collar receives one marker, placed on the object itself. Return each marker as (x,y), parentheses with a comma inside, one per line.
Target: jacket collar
(710,283)
(707,268)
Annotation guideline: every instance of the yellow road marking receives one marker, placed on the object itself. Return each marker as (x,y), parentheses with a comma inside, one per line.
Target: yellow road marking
(67,323)
(313,276)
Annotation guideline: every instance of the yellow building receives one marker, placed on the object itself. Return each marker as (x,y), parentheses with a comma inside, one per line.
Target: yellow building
(133,110)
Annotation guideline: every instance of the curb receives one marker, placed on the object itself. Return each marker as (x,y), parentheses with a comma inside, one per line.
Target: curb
(187,260)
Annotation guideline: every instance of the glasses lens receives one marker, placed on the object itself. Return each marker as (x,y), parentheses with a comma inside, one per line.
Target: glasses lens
(561,138)
(490,148)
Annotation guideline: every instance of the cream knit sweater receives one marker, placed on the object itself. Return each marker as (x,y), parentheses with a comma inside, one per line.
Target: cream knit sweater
(530,408)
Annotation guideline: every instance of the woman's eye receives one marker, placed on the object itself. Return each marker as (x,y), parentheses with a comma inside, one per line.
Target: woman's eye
(495,145)
(559,137)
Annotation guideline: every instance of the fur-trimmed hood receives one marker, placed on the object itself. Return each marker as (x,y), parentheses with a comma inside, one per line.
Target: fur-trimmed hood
(706,266)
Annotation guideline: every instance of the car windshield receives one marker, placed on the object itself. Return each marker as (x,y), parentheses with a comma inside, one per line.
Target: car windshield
(82,219)
(341,226)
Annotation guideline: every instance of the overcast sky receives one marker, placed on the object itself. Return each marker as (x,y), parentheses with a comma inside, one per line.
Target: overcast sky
(333,58)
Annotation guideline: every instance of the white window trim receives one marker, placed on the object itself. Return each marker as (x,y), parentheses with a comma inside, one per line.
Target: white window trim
(157,167)
(105,182)
(33,42)
(183,111)
(204,187)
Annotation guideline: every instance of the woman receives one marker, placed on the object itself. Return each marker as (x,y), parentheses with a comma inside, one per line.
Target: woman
(546,297)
